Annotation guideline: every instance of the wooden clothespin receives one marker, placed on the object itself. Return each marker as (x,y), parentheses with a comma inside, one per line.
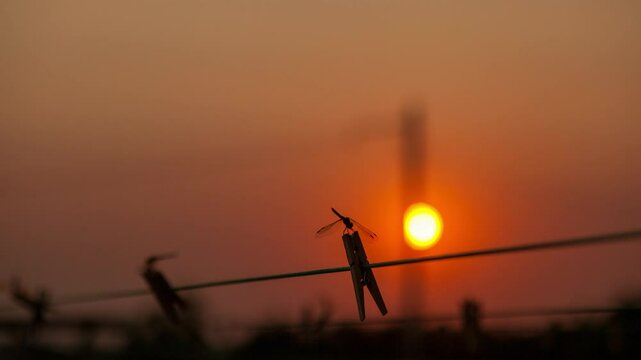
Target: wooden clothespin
(362,274)
(38,305)
(168,299)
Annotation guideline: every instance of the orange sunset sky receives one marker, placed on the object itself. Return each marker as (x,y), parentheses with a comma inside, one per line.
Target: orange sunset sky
(225,131)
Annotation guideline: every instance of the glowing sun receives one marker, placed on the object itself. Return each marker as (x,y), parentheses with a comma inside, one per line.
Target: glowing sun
(422,225)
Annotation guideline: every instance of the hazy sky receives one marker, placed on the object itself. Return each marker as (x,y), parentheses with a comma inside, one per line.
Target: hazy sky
(226,130)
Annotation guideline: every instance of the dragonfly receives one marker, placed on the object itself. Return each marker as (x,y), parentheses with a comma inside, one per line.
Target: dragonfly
(362,274)
(349,223)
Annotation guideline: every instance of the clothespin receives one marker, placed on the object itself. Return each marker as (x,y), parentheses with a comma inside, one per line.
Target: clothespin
(362,274)
(38,305)
(167,298)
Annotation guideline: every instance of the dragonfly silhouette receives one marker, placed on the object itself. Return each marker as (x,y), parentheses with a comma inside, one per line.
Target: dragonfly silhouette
(349,226)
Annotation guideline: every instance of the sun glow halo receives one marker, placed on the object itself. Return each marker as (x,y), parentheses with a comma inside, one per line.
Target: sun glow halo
(422,225)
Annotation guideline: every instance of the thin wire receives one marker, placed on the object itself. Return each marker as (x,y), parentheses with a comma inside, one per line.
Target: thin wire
(497,315)
(508,314)
(620,236)
(442,318)
(589,240)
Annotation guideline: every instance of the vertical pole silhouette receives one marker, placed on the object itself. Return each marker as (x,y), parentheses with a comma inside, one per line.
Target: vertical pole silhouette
(413,190)
(38,305)
(470,318)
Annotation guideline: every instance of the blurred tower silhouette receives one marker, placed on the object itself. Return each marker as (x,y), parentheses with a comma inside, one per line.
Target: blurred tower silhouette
(413,190)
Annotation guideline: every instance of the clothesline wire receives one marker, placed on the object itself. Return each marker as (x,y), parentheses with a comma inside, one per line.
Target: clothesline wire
(554,244)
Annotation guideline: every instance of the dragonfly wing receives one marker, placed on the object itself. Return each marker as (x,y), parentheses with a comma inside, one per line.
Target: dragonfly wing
(325,229)
(364,229)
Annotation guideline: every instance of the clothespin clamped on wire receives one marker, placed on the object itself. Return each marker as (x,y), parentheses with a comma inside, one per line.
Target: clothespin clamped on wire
(362,274)
(169,301)
(38,305)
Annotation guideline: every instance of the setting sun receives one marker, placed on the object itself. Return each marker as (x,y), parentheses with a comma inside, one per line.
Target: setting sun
(422,225)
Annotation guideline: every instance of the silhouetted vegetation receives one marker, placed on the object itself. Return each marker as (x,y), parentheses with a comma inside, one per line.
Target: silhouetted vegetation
(616,336)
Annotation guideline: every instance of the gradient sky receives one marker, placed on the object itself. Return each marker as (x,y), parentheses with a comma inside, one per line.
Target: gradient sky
(226,130)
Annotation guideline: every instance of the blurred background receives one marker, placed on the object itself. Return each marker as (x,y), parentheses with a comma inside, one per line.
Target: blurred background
(225,131)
